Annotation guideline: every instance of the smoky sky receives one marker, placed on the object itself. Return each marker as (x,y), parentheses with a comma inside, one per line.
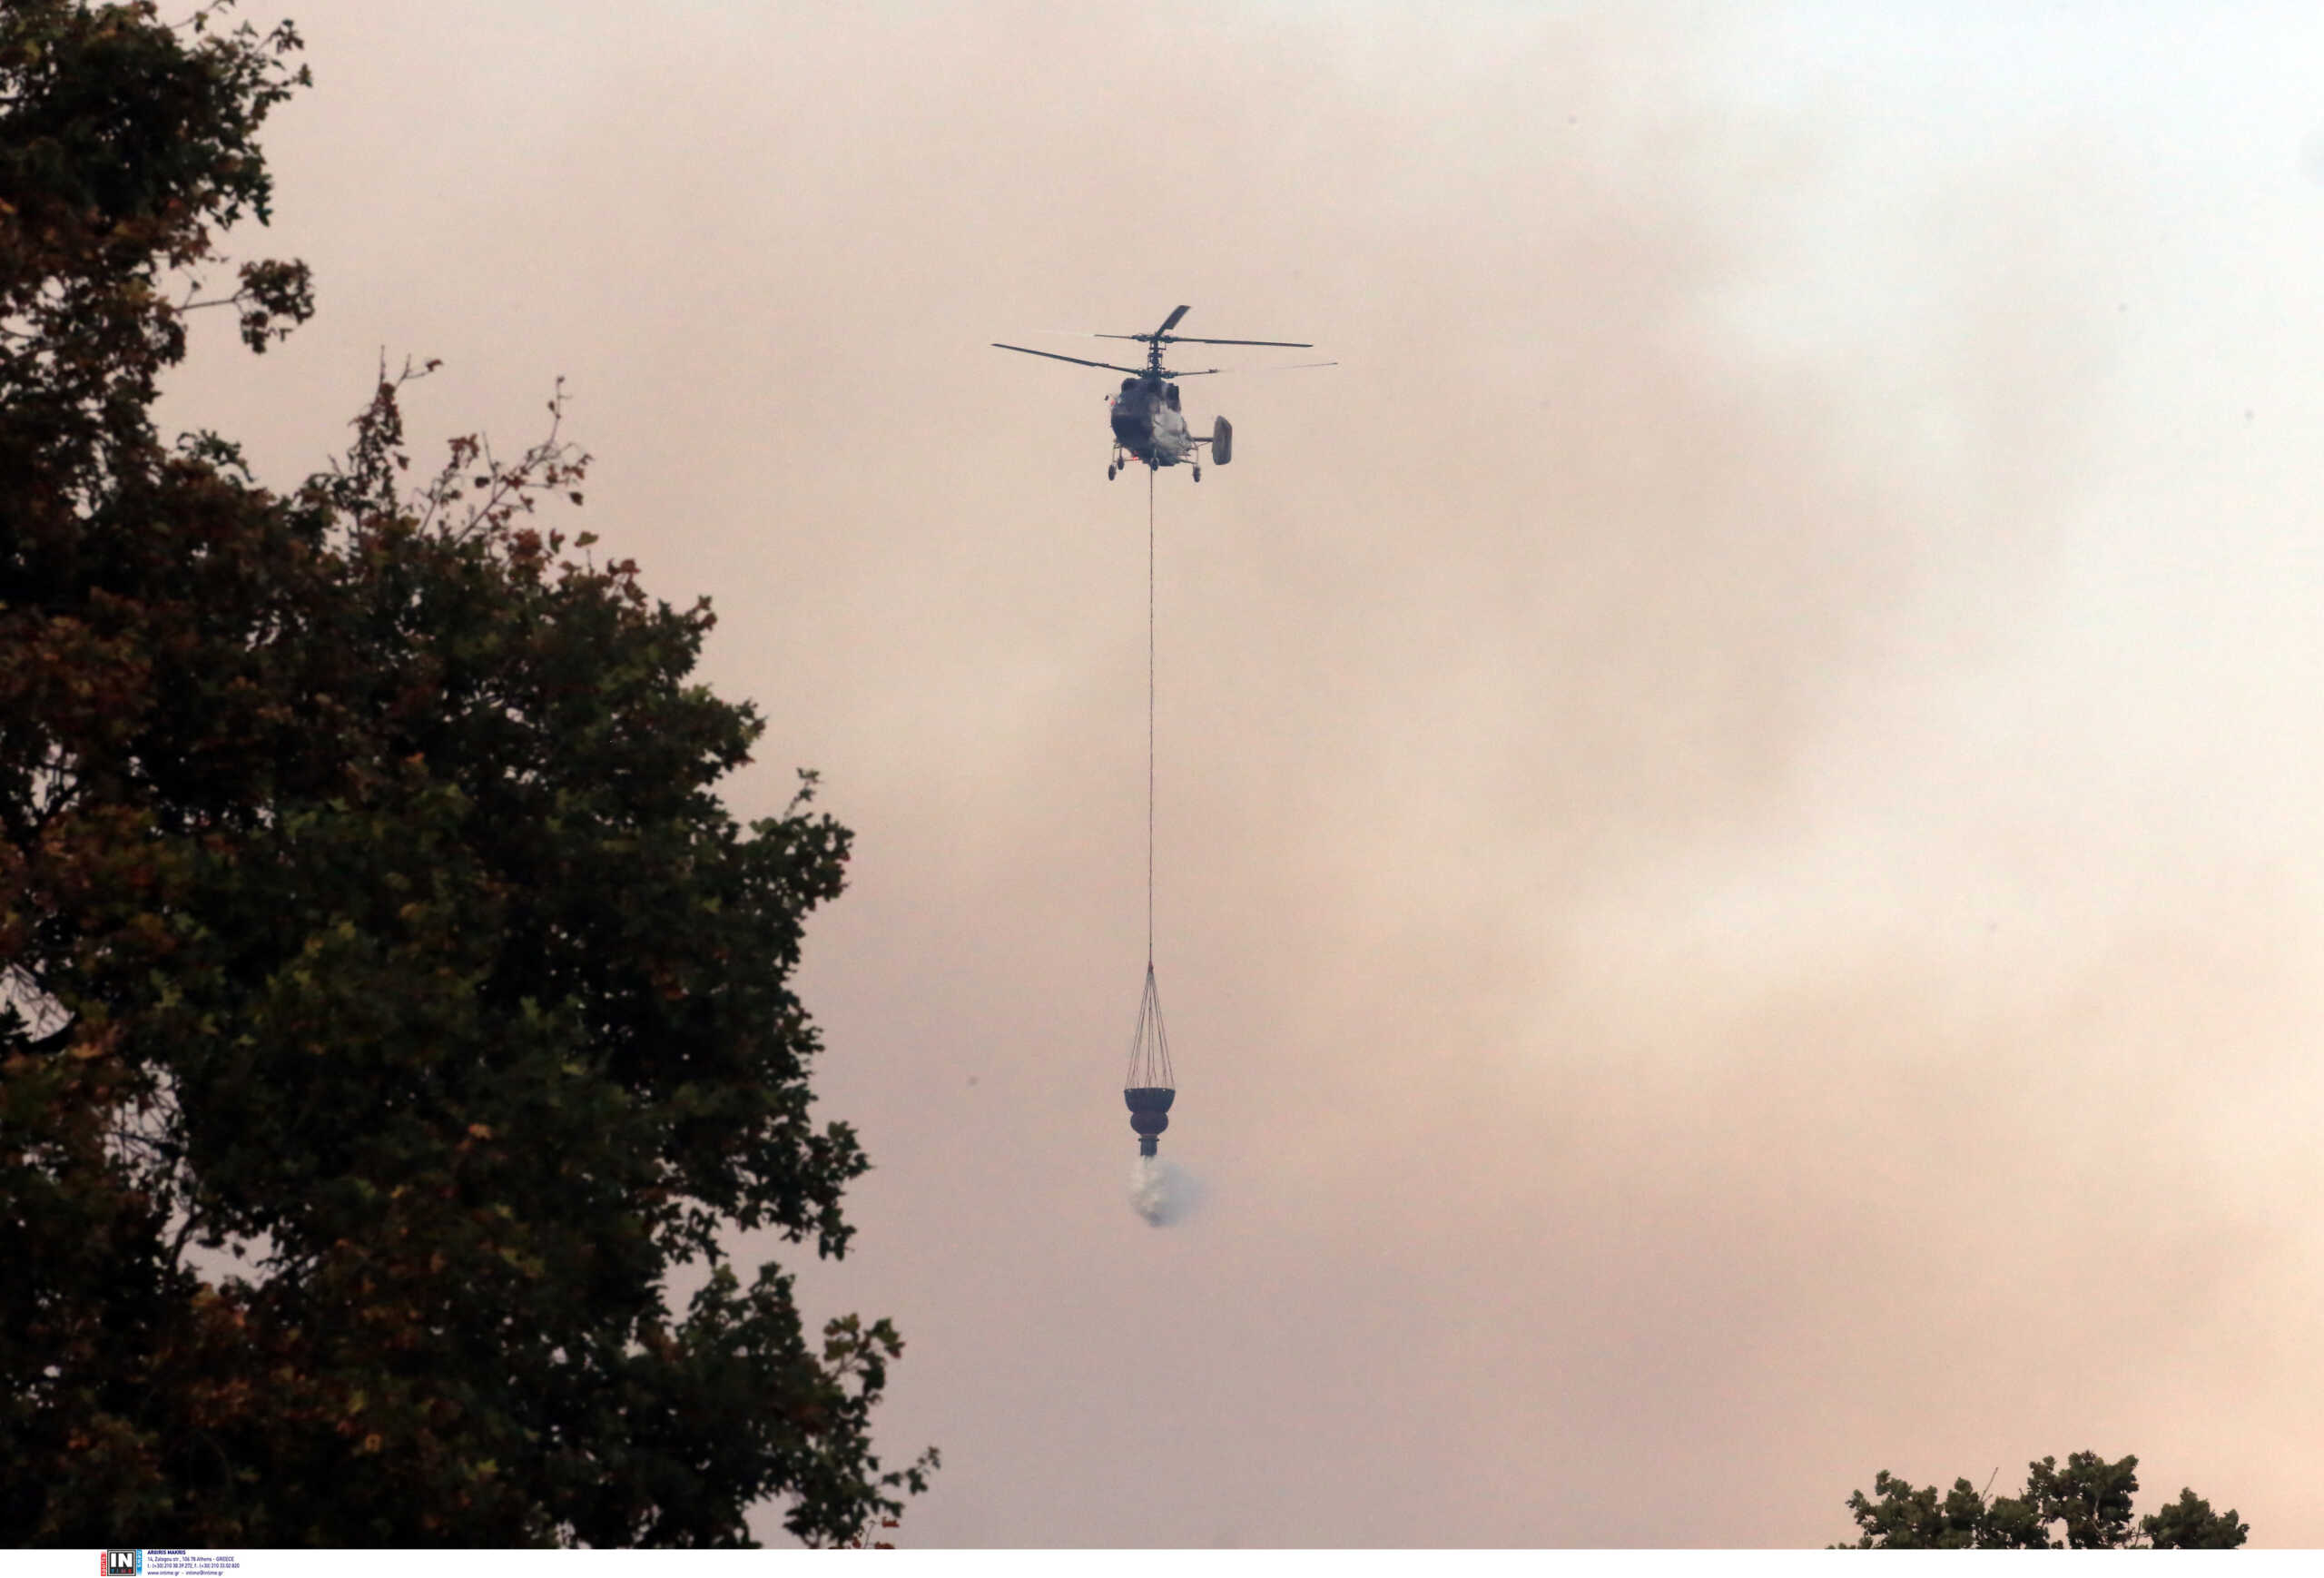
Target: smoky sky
(1736,787)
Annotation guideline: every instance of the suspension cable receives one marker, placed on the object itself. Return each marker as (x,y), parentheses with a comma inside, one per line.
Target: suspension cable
(1149,720)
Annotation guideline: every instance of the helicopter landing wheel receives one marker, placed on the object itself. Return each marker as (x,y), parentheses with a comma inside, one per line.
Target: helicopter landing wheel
(1109,473)
(1198,473)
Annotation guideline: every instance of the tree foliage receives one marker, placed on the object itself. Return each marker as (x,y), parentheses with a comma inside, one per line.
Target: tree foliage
(2087,1504)
(368,914)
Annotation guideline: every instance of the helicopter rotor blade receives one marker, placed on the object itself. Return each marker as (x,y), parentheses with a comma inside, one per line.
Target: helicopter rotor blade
(1204,372)
(1193,340)
(1198,340)
(1171,321)
(1077,361)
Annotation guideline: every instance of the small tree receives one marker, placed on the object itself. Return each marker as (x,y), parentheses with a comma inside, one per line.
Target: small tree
(2088,1501)
(366,912)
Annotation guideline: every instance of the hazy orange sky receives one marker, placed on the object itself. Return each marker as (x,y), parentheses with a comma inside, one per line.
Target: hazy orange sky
(1740,863)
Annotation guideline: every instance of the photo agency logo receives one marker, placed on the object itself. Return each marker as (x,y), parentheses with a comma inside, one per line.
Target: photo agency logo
(121,1564)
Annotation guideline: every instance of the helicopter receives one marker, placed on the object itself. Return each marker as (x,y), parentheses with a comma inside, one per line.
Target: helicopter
(1148,422)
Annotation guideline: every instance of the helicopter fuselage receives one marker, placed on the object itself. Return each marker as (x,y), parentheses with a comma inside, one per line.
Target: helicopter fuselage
(1149,424)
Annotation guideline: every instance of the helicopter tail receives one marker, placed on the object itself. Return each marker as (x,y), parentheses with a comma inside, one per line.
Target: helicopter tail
(1222,440)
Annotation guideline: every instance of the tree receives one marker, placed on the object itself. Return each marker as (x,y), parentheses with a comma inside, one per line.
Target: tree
(2089,1500)
(391,1006)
